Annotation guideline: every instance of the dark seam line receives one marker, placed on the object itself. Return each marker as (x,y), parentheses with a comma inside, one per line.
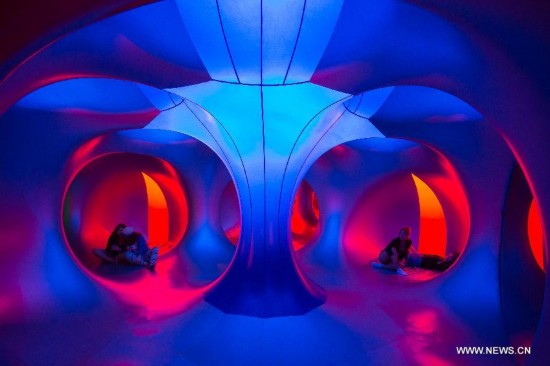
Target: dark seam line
(252,84)
(213,138)
(359,104)
(292,151)
(210,133)
(172,99)
(238,153)
(317,143)
(263,125)
(355,114)
(263,147)
(177,105)
(296,43)
(226,43)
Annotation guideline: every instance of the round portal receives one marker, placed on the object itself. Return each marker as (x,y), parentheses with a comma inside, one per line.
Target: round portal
(124,188)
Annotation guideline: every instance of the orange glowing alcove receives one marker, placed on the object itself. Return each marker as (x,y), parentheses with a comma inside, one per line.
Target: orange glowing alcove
(157,213)
(433,227)
(137,190)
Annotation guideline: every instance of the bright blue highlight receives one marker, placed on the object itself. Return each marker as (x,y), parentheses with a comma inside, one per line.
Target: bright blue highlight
(202,23)
(281,27)
(101,95)
(368,103)
(320,18)
(242,26)
(416,103)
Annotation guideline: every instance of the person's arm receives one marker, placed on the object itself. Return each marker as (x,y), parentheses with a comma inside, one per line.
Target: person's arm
(392,246)
(112,248)
(116,248)
(403,261)
(142,244)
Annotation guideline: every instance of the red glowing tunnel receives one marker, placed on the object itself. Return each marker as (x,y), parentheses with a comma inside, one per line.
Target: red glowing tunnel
(423,191)
(137,190)
(304,222)
(272,150)
(535,233)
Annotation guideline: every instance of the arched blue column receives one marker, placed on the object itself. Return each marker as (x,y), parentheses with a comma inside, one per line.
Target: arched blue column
(264,135)
(255,130)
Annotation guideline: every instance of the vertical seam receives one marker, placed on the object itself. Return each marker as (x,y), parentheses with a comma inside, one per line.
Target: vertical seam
(292,151)
(317,143)
(263,125)
(295,43)
(359,104)
(234,144)
(226,43)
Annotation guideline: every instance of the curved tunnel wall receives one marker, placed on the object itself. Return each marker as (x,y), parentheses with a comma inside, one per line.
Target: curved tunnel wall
(137,190)
(521,300)
(202,253)
(367,193)
(480,159)
(182,165)
(304,221)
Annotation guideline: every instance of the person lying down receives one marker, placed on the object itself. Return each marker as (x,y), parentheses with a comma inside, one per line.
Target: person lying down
(128,246)
(400,253)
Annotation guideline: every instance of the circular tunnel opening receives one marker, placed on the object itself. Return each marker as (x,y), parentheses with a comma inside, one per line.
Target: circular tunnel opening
(141,191)
(230,217)
(304,219)
(371,188)
(304,222)
(167,186)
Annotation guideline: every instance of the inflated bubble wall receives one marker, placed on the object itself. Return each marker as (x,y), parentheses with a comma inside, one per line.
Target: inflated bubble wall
(271,150)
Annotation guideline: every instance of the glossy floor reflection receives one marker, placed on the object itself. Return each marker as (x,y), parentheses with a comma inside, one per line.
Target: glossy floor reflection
(370,317)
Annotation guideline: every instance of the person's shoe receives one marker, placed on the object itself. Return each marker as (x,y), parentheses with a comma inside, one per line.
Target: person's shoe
(448,261)
(452,257)
(401,272)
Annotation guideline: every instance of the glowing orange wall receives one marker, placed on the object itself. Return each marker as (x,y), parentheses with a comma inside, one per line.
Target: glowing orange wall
(433,227)
(157,213)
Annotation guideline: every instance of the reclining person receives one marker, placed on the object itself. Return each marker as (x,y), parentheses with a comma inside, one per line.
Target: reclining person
(115,244)
(400,253)
(137,251)
(431,261)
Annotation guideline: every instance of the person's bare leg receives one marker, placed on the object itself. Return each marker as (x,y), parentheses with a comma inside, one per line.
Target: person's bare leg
(384,258)
(385,261)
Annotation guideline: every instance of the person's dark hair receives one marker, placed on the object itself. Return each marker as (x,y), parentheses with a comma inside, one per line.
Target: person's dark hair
(131,239)
(114,235)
